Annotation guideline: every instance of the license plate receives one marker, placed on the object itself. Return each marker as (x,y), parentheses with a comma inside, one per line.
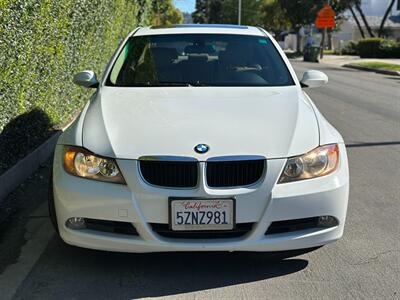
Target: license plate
(202,214)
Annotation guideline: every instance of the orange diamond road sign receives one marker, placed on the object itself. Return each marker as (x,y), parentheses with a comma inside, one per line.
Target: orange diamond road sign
(326,18)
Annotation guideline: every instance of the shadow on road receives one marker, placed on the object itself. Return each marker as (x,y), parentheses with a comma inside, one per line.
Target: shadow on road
(373,144)
(393,77)
(65,272)
(23,134)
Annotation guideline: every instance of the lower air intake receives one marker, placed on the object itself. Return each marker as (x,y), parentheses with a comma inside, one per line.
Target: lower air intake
(240,230)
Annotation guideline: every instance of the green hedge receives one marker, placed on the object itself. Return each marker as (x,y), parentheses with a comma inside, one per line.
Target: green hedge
(378,48)
(350,48)
(42,44)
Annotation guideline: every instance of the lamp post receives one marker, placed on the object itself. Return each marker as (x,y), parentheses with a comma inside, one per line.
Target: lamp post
(240,12)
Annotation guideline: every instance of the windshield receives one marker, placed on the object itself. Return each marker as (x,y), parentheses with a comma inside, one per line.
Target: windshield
(199,60)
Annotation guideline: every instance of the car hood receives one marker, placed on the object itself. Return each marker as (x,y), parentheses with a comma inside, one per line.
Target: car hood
(130,123)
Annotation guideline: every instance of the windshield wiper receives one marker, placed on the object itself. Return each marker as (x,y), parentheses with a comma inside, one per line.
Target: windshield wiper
(170,83)
(177,83)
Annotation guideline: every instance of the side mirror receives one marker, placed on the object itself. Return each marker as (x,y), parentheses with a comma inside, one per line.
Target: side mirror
(86,79)
(313,79)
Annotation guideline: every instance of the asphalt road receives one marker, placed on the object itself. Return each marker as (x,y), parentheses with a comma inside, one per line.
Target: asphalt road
(365,107)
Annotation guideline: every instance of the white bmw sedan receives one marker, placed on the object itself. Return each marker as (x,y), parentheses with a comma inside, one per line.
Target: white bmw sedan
(200,138)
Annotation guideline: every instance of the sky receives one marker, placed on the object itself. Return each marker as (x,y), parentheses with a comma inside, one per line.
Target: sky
(370,7)
(185,5)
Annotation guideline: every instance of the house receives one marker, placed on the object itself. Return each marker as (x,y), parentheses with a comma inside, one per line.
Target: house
(349,30)
(373,11)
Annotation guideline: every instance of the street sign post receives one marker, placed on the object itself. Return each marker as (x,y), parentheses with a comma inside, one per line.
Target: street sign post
(325,19)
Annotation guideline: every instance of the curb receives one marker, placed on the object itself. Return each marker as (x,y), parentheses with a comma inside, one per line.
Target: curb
(385,72)
(13,177)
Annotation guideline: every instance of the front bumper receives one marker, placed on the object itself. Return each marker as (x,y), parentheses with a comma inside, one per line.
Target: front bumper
(142,204)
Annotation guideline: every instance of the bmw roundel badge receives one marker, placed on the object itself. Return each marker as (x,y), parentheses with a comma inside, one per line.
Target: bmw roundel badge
(201,148)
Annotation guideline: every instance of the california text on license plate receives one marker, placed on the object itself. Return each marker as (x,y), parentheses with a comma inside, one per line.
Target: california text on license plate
(202,214)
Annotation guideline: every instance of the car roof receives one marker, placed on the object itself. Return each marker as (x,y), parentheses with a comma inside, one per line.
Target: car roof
(200,28)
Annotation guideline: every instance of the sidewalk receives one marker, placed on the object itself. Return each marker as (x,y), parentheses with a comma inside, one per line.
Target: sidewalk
(350,61)
(340,60)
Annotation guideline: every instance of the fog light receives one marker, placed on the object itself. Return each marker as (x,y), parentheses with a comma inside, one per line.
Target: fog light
(76,223)
(327,221)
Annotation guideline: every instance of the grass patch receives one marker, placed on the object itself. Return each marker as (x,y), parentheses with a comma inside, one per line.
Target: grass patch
(330,52)
(292,55)
(378,65)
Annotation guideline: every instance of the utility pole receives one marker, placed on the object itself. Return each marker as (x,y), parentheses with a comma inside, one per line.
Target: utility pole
(240,12)
(158,15)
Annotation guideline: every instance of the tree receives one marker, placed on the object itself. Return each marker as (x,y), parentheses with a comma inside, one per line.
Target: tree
(166,13)
(357,22)
(343,5)
(385,16)
(251,12)
(217,11)
(200,14)
(208,12)
(273,17)
(358,8)
(340,6)
(187,18)
(300,13)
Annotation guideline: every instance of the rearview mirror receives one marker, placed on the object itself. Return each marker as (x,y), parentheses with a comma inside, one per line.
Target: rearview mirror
(86,79)
(313,79)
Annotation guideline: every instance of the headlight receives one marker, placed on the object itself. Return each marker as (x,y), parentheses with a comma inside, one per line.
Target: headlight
(82,163)
(316,163)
